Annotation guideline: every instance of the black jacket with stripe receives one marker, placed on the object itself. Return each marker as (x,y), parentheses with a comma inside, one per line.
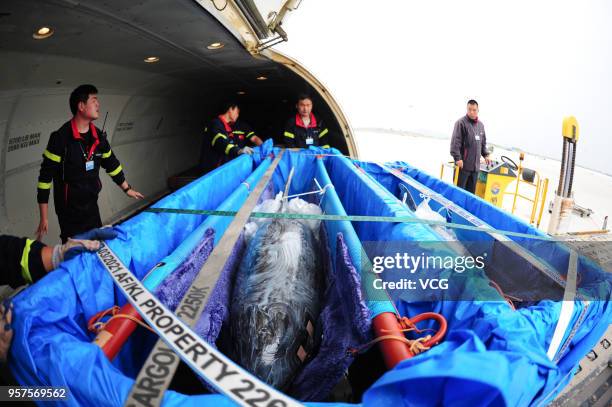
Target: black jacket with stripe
(76,189)
(20,261)
(297,134)
(242,134)
(222,143)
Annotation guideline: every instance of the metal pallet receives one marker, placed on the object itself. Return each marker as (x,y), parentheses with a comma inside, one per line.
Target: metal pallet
(591,385)
(592,382)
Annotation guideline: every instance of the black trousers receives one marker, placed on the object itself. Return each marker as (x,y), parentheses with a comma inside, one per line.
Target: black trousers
(467,180)
(74,223)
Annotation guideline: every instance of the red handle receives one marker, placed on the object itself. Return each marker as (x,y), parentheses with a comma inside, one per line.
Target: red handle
(117,331)
(388,325)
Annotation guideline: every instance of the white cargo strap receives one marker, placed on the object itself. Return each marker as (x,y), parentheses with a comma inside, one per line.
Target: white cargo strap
(569,285)
(210,364)
(504,240)
(567,306)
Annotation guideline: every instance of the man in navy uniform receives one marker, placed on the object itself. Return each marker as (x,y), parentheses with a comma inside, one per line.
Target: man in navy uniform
(305,129)
(25,261)
(71,163)
(226,138)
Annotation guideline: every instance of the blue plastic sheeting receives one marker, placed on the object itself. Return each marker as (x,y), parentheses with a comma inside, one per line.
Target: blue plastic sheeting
(352,182)
(52,346)
(308,166)
(556,255)
(493,355)
(218,223)
(481,334)
(331,205)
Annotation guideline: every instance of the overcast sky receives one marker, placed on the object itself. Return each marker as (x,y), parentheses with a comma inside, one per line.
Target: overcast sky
(412,65)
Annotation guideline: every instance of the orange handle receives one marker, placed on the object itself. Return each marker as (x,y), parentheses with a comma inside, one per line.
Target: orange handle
(388,325)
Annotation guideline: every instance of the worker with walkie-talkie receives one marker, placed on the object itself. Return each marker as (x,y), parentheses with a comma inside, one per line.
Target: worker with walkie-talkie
(71,163)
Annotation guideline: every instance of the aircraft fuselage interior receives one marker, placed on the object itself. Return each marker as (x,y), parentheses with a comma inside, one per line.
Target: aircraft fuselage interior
(162,73)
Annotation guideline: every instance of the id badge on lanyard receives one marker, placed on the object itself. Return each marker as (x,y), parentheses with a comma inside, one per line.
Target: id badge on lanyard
(89,163)
(309,141)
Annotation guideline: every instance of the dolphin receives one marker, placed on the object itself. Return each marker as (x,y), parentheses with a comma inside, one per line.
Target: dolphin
(276,302)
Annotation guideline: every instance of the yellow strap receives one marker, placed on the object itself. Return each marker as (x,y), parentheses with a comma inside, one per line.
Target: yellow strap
(290,135)
(238,132)
(116,171)
(52,156)
(25,266)
(251,134)
(44,185)
(326,146)
(219,135)
(106,155)
(323,133)
(228,148)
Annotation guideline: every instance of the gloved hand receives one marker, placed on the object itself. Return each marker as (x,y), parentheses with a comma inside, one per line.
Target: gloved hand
(246,150)
(85,241)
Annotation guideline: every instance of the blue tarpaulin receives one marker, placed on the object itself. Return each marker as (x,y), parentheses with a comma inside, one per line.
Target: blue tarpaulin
(491,354)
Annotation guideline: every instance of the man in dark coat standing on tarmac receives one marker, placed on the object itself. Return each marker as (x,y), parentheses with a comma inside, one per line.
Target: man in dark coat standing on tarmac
(468,144)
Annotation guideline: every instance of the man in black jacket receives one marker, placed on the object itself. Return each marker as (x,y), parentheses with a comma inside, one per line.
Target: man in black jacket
(468,143)
(305,129)
(71,163)
(25,261)
(226,138)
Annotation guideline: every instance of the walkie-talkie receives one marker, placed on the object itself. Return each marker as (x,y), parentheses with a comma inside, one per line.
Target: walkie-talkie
(104,124)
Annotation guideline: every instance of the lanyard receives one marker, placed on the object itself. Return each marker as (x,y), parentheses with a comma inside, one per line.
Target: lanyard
(77,136)
(228,128)
(475,129)
(83,151)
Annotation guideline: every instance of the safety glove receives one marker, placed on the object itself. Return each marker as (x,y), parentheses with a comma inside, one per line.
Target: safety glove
(246,150)
(89,241)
